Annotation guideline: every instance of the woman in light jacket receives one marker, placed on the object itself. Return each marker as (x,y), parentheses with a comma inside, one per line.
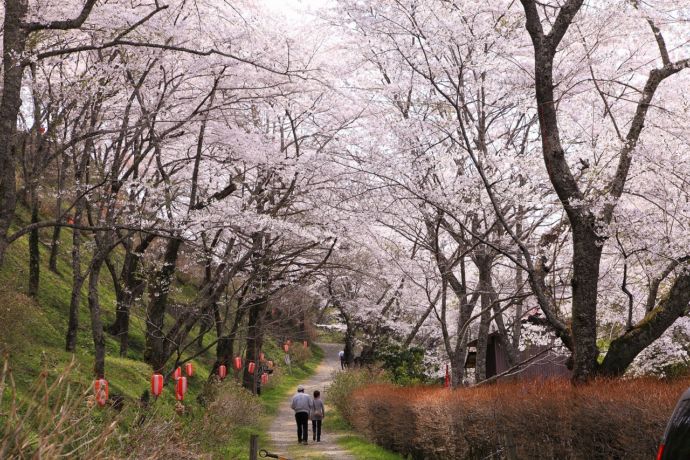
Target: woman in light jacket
(318,412)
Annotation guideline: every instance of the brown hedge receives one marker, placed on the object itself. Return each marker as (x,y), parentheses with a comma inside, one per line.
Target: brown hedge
(618,419)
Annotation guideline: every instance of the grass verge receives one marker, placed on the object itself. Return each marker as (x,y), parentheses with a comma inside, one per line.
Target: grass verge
(357,445)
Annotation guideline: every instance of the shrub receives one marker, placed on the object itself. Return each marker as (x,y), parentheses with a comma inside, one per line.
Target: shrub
(546,420)
(155,438)
(232,406)
(405,364)
(345,383)
(58,419)
(300,355)
(55,421)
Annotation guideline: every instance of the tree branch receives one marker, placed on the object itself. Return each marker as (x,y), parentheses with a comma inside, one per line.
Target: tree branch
(66,24)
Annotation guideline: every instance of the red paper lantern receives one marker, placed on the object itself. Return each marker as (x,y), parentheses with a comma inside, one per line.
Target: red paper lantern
(156,385)
(262,357)
(264,378)
(222,371)
(305,344)
(251,367)
(100,387)
(180,388)
(286,347)
(237,363)
(178,373)
(189,369)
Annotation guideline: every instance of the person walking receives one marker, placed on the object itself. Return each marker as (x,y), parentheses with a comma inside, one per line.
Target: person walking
(318,412)
(302,404)
(341,355)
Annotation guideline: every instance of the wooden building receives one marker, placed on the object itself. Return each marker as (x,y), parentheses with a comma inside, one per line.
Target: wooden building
(540,361)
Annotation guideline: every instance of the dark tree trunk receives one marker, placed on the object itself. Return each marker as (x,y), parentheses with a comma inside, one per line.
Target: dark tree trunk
(73,320)
(14,44)
(206,324)
(226,343)
(34,248)
(482,345)
(96,321)
(255,340)
(586,258)
(77,283)
(349,343)
(485,319)
(624,349)
(156,347)
(457,365)
(54,249)
(132,287)
(55,241)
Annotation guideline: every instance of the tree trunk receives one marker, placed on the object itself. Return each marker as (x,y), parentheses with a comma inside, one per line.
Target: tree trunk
(457,364)
(34,247)
(54,249)
(624,349)
(77,283)
(585,281)
(349,343)
(485,318)
(73,321)
(55,242)
(96,321)
(255,340)
(226,343)
(132,287)
(14,44)
(519,289)
(206,324)
(155,352)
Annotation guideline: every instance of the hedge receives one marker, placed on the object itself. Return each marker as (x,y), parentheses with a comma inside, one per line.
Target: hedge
(621,419)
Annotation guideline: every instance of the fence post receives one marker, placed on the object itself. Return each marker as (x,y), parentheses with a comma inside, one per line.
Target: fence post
(253,447)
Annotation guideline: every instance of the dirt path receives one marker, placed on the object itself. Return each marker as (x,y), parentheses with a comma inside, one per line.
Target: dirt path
(283,431)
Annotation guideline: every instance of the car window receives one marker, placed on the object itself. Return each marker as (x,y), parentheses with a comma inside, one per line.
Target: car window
(678,433)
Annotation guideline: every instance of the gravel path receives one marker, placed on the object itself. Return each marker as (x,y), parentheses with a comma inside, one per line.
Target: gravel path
(283,431)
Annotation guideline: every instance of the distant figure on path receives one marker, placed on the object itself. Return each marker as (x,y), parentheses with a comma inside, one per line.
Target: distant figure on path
(341,355)
(302,405)
(318,412)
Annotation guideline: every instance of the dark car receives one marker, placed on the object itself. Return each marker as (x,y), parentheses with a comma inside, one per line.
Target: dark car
(675,444)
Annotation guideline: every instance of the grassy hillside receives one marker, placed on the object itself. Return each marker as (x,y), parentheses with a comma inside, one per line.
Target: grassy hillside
(33,339)
(34,332)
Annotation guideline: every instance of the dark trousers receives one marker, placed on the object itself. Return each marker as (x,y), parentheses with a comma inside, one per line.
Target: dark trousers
(302,419)
(316,429)
(342,363)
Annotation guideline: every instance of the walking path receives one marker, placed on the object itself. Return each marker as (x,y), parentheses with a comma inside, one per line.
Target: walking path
(283,431)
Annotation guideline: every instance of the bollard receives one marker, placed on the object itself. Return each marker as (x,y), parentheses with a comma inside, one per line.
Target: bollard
(254,447)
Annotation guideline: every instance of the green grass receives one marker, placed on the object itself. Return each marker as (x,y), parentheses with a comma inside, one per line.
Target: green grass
(33,333)
(34,337)
(364,450)
(357,445)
